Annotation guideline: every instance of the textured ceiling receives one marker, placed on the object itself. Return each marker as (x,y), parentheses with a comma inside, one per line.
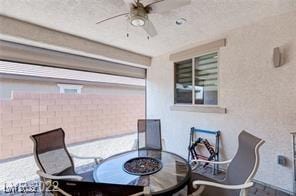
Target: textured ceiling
(205,20)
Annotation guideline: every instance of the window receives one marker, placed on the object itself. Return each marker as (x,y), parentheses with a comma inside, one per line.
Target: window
(196,80)
(183,80)
(70,88)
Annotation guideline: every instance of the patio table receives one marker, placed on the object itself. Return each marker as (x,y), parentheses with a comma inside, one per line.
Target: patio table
(173,175)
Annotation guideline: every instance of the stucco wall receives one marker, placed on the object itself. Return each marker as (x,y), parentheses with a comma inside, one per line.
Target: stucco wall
(258,97)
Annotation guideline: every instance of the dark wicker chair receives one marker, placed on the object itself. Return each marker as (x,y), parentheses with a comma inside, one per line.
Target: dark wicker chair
(240,171)
(149,134)
(56,165)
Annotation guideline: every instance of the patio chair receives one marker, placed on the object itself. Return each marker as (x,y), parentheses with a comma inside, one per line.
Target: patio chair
(58,174)
(149,135)
(240,171)
(53,159)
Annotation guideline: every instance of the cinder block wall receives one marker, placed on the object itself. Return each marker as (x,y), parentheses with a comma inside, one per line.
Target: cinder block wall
(83,117)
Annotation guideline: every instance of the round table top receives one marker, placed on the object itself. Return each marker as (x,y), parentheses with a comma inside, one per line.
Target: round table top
(173,176)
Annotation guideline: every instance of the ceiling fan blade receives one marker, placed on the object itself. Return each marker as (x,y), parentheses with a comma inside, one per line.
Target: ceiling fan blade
(150,29)
(124,14)
(129,3)
(151,3)
(167,5)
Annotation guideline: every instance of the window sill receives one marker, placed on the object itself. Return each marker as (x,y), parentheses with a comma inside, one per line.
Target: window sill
(198,108)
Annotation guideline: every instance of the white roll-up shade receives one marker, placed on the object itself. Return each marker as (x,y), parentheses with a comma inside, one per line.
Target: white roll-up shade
(16,70)
(10,51)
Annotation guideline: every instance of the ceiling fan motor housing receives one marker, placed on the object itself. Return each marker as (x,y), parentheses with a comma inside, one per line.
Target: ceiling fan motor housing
(138,15)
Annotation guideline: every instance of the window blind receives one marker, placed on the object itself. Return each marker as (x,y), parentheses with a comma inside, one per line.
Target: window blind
(183,81)
(206,79)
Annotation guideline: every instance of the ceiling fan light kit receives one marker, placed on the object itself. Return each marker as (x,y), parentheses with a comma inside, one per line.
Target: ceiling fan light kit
(137,21)
(138,13)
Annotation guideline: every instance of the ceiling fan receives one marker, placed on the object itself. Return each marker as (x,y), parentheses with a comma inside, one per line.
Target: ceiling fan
(139,11)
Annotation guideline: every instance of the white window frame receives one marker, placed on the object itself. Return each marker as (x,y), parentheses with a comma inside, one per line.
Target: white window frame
(204,108)
(62,87)
(193,59)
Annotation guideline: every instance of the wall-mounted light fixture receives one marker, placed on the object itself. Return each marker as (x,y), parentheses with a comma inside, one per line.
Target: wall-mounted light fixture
(277,57)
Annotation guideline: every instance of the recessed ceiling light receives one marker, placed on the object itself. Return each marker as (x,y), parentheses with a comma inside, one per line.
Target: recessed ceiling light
(181,21)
